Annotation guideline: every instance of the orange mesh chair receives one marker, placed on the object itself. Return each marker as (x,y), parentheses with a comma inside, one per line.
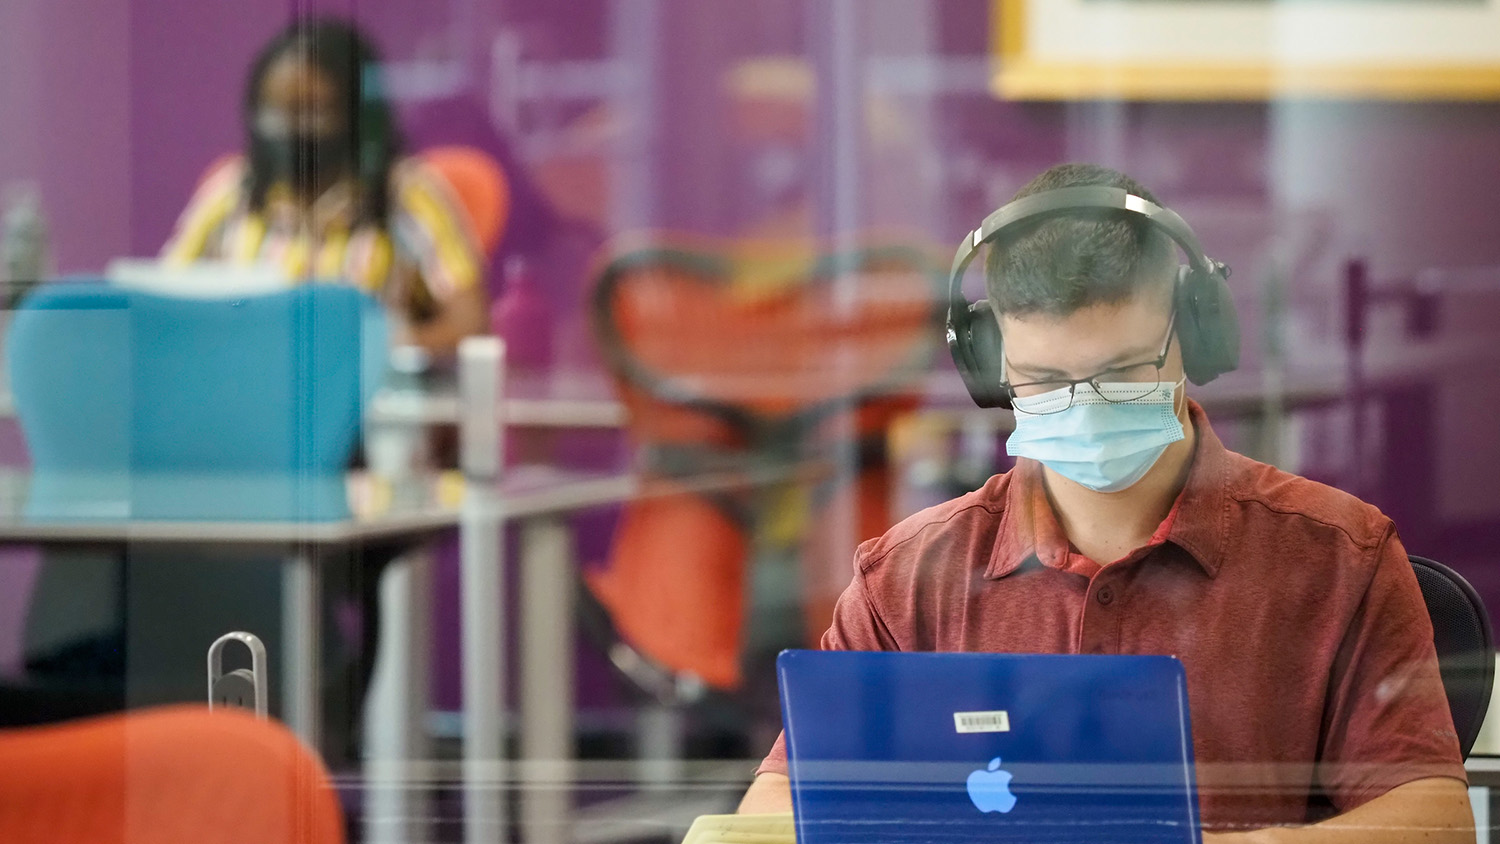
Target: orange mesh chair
(716,376)
(480,186)
(176,775)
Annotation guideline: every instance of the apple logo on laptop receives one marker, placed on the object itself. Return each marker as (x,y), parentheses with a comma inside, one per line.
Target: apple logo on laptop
(990,789)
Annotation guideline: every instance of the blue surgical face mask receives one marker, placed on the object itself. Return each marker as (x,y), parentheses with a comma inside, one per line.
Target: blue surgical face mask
(1103,445)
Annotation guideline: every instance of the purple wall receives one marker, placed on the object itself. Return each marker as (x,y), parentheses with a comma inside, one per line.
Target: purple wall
(116,130)
(186,77)
(65,120)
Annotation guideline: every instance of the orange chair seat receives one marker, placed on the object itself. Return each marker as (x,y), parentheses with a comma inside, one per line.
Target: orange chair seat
(175,775)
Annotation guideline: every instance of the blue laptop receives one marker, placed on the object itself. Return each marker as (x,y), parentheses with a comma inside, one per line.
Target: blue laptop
(922,747)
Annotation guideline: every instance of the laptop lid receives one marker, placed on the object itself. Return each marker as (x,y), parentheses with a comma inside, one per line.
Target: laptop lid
(907,747)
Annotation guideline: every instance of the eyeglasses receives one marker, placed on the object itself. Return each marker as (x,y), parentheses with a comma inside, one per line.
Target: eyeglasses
(1117,385)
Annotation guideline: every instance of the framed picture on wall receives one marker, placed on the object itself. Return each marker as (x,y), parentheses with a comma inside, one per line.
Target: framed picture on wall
(1246,49)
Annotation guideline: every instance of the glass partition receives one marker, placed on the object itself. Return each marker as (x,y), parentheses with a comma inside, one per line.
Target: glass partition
(527,377)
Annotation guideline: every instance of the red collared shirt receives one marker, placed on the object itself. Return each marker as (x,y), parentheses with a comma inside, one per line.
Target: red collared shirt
(1292,606)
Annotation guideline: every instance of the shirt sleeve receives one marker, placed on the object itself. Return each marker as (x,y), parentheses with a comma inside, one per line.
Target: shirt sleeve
(855,627)
(431,226)
(218,194)
(1387,720)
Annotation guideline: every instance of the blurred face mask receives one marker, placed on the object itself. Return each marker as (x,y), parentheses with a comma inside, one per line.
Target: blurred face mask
(309,158)
(1104,445)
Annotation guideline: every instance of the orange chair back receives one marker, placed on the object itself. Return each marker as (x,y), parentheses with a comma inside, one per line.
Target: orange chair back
(175,775)
(675,324)
(481,188)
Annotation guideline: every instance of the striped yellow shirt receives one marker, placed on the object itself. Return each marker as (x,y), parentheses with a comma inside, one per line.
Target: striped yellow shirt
(425,255)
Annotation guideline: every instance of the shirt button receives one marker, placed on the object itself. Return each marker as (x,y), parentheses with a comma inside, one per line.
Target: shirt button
(1106,596)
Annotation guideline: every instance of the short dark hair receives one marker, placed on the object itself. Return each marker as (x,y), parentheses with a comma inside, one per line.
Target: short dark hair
(1061,264)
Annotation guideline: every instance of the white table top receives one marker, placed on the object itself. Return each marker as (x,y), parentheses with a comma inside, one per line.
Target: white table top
(426,509)
(442,408)
(393,526)
(439,505)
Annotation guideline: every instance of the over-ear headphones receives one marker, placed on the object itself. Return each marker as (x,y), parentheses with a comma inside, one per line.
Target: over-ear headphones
(1207,326)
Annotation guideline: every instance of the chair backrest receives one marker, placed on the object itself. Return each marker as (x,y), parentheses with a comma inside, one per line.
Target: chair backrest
(727,353)
(136,405)
(677,324)
(1465,645)
(480,185)
(175,775)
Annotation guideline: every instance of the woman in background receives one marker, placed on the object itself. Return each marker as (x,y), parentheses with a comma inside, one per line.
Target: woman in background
(322,192)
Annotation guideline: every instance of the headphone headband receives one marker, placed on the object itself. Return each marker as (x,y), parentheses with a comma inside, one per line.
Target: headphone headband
(1063,200)
(1209,330)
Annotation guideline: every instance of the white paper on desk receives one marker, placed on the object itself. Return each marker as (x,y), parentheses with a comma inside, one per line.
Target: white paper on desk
(775,828)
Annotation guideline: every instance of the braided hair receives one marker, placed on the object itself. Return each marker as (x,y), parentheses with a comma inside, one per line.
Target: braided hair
(351,63)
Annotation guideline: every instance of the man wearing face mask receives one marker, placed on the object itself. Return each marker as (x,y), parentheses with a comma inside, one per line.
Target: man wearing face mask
(323,194)
(1126,527)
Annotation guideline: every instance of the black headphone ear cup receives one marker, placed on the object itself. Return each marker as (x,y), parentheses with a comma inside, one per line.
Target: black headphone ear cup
(1208,329)
(976,345)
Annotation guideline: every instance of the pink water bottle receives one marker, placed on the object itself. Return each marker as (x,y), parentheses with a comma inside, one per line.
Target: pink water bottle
(522,318)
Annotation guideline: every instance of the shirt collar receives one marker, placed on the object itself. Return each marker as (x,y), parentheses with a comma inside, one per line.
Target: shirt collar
(1196,522)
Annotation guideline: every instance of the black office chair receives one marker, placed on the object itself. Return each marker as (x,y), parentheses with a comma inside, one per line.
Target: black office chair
(1465,645)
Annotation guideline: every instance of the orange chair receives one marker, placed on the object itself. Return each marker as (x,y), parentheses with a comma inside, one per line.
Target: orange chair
(175,775)
(480,187)
(716,373)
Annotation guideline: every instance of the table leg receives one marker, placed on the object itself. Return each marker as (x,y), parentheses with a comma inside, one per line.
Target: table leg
(396,738)
(302,679)
(483,644)
(659,731)
(547,573)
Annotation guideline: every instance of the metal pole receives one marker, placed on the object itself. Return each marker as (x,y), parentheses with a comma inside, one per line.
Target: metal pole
(480,370)
(302,679)
(546,680)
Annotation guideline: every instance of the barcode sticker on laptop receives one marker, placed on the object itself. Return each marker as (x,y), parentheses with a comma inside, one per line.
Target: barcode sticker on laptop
(982,722)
